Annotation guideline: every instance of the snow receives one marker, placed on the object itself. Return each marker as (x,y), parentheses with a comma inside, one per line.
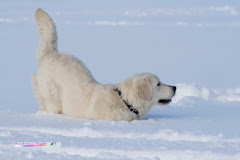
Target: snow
(194,126)
(193,45)
(191,90)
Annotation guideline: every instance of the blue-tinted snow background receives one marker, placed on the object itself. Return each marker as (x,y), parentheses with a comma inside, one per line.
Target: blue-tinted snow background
(194,44)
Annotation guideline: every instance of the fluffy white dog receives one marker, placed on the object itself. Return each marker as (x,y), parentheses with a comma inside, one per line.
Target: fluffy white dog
(64,85)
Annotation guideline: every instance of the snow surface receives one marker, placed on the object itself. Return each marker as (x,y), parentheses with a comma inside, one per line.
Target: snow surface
(191,44)
(197,125)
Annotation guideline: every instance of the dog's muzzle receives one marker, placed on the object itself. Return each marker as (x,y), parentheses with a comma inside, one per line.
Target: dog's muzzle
(167,101)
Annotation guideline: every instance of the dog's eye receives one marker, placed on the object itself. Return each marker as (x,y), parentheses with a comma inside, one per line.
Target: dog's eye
(158,84)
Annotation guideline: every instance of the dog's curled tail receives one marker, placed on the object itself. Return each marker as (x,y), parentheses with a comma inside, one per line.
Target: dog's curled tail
(48,34)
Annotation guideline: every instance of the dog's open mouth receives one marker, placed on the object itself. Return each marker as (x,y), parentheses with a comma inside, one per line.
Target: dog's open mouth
(164,101)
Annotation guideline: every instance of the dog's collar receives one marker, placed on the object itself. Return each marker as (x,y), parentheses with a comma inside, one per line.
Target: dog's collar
(130,107)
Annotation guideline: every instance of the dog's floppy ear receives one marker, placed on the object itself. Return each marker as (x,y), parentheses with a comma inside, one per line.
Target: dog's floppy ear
(144,89)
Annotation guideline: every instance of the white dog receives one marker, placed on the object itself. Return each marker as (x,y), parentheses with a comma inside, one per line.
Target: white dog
(64,85)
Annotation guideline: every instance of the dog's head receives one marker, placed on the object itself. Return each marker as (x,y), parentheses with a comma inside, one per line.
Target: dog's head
(148,89)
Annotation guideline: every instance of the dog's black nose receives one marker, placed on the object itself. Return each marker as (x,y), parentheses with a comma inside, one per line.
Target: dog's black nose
(174,88)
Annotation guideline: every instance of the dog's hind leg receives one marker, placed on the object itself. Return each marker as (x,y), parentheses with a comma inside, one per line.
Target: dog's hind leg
(53,102)
(38,94)
(48,96)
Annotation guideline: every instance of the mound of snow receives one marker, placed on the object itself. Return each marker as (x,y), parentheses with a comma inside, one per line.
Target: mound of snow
(190,92)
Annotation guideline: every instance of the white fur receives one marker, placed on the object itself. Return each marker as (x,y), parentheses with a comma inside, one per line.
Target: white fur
(64,85)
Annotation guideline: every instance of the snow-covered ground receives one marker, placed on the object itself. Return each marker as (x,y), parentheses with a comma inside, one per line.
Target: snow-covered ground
(191,44)
(199,124)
